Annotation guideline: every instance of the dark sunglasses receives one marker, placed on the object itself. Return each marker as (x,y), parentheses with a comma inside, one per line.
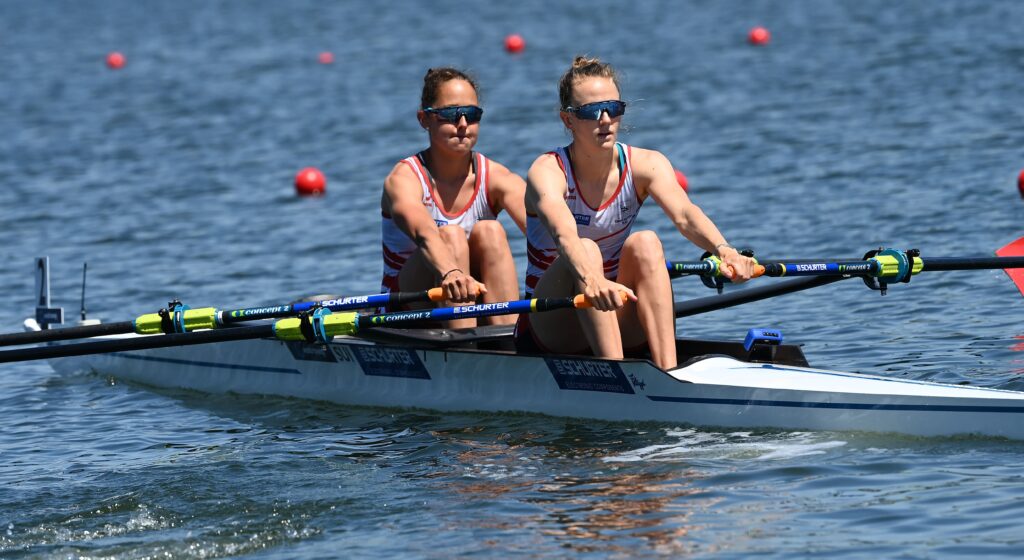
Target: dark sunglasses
(454,114)
(592,111)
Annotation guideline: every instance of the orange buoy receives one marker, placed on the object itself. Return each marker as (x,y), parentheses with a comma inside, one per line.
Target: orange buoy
(759,36)
(115,61)
(326,58)
(310,182)
(515,43)
(681,179)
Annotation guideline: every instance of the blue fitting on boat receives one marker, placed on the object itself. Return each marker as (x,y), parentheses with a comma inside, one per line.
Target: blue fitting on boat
(762,336)
(316,320)
(178,317)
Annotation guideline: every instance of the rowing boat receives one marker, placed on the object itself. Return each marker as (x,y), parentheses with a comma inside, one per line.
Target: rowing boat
(364,360)
(717,384)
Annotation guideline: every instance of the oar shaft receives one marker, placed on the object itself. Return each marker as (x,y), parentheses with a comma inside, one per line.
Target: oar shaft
(137,343)
(51,335)
(471,311)
(972,263)
(344,304)
(731,299)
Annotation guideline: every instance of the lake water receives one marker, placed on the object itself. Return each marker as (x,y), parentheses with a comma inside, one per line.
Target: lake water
(862,124)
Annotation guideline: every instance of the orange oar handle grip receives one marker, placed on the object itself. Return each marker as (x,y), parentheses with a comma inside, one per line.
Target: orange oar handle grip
(437,294)
(581,301)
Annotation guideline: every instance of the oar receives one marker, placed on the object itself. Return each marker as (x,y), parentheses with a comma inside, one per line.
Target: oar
(886,265)
(319,326)
(180,319)
(731,299)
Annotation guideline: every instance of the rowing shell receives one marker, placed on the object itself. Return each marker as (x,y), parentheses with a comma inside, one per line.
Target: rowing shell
(714,387)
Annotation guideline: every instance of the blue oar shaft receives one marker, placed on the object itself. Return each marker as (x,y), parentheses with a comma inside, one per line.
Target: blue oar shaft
(469,311)
(343,304)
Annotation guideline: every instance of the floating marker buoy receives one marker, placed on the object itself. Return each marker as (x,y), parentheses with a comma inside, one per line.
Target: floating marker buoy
(515,43)
(326,58)
(310,182)
(759,36)
(115,60)
(681,179)
(1020,183)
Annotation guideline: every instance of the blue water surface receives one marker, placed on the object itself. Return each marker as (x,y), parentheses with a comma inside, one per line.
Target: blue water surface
(862,124)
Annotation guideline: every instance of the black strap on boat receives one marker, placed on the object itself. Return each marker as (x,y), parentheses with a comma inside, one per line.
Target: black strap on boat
(311,324)
(172,317)
(871,281)
(911,255)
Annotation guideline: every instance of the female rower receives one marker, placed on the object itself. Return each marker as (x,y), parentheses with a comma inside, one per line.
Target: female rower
(581,201)
(439,206)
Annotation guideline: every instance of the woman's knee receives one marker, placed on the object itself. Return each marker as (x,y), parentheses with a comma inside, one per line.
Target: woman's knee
(592,251)
(455,238)
(489,235)
(645,248)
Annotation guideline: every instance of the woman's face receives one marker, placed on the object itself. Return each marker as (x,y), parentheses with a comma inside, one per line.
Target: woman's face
(454,137)
(603,131)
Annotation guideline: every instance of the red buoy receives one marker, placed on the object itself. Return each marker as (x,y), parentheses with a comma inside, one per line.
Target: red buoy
(681,179)
(115,60)
(1020,183)
(310,182)
(515,43)
(759,36)
(326,58)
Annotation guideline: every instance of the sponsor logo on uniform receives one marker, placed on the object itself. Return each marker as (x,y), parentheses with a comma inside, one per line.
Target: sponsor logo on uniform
(441,223)
(589,375)
(582,219)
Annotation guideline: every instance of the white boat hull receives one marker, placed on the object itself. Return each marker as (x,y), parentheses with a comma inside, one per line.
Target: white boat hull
(712,392)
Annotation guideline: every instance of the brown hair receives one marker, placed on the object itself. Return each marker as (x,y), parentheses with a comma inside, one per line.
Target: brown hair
(583,67)
(435,77)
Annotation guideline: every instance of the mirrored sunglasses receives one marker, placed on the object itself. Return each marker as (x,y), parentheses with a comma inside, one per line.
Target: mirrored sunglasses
(592,111)
(454,114)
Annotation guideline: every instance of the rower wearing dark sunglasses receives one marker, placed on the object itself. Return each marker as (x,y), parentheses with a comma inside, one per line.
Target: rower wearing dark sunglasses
(581,202)
(440,206)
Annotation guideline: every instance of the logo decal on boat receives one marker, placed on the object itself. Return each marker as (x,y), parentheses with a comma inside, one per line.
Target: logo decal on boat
(589,375)
(637,382)
(389,362)
(309,352)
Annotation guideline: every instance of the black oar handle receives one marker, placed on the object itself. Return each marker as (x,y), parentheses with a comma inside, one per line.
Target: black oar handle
(52,335)
(136,343)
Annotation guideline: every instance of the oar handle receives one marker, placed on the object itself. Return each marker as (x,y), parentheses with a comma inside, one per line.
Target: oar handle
(581,301)
(51,335)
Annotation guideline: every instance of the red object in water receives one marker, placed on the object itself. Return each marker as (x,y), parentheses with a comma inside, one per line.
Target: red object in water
(681,179)
(326,58)
(115,61)
(1014,249)
(759,36)
(515,43)
(1020,183)
(310,182)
